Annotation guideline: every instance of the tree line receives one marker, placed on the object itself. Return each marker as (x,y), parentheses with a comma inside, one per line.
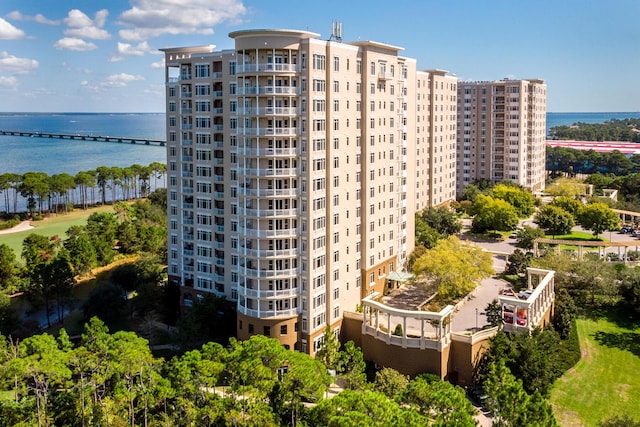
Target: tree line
(113,379)
(53,193)
(611,130)
(572,161)
(52,265)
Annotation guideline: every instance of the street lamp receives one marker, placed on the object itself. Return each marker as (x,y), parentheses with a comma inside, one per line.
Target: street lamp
(476,319)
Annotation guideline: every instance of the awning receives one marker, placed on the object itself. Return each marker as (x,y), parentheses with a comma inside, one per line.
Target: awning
(399,276)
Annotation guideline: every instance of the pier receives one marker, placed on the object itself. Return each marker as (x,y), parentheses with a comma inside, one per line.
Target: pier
(80,137)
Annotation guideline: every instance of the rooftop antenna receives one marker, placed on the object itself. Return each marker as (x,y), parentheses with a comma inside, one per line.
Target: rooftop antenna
(336,31)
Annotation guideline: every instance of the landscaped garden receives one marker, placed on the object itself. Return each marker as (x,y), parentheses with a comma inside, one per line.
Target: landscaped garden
(606,381)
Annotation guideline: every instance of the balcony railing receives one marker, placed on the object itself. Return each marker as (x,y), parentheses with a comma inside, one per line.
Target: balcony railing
(266,253)
(261,293)
(268,151)
(269,172)
(268,131)
(255,273)
(252,68)
(262,111)
(252,232)
(268,314)
(262,213)
(268,192)
(268,90)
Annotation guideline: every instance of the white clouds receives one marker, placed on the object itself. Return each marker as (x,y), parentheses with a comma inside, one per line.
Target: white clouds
(9,32)
(121,80)
(126,49)
(151,18)
(10,64)
(39,18)
(73,43)
(114,81)
(10,82)
(159,64)
(81,26)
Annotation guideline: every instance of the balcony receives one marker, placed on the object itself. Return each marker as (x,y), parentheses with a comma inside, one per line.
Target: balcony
(269,90)
(265,68)
(385,75)
(267,253)
(290,131)
(269,172)
(253,232)
(268,192)
(264,213)
(255,273)
(266,111)
(261,152)
(261,293)
(268,314)
(185,76)
(186,94)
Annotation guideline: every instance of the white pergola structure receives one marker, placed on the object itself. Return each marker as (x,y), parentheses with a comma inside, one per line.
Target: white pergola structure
(520,314)
(420,329)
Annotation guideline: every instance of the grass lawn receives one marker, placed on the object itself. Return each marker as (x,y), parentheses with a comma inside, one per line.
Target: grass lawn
(578,235)
(606,381)
(55,225)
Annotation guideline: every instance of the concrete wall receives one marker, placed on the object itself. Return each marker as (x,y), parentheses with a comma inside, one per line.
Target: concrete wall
(409,361)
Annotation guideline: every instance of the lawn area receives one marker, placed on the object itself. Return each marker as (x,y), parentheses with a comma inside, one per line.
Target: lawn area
(55,225)
(578,235)
(605,382)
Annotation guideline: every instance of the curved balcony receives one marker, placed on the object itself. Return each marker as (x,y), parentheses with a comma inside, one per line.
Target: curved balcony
(292,172)
(269,274)
(267,111)
(268,192)
(271,294)
(265,213)
(268,314)
(266,253)
(268,90)
(252,232)
(262,152)
(267,68)
(268,131)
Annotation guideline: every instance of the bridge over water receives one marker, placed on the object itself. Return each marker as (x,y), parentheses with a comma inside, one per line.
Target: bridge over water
(80,137)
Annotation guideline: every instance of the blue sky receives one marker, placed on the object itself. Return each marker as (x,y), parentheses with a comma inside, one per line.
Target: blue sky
(102,56)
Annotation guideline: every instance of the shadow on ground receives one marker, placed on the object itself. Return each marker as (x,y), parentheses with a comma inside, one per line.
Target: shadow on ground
(629,341)
(621,314)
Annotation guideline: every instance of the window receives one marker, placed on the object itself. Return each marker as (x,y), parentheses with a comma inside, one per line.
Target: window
(202,70)
(319,85)
(336,63)
(336,86)
(319,62)
(203,90)
(373,68)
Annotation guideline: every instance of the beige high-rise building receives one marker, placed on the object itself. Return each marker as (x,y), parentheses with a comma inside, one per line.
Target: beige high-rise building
(292,177)
(501,132)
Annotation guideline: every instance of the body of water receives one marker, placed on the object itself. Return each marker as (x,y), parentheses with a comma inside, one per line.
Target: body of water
(567,119)
(23,154)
